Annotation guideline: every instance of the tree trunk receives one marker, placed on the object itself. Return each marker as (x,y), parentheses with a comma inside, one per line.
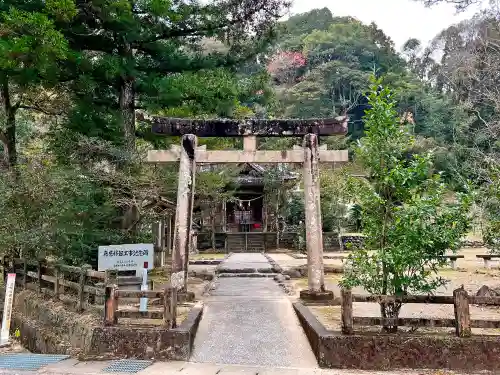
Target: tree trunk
(127,98)
(264,212)
(390,310)
(131,214)
(8,136)
(127,108)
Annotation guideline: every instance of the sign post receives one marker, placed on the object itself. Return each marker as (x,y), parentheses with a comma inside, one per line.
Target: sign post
(128,257)
(143,306)
(7,309)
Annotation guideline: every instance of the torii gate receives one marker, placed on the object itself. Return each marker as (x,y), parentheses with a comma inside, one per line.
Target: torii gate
(310,155)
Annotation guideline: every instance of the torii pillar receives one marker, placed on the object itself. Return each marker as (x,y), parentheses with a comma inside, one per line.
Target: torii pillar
(184,211)
(314,227)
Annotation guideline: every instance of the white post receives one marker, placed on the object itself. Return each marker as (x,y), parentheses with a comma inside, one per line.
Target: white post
(143,306)
(453,263)
(7,309)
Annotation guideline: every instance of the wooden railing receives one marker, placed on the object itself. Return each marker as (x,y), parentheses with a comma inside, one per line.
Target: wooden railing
(53,278)
(460,299)
(90,287)
(168,313)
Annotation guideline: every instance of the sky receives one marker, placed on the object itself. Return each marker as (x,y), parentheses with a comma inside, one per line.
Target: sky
(399,19)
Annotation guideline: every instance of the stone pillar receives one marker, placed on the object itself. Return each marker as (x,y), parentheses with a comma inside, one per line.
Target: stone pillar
(168,235)
(314,236)
(249,143)
(224,215)
(183,213)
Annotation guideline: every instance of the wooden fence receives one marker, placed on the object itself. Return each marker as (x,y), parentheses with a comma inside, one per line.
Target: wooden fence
(460,299)
(89,287)
(168,313)
(56,279)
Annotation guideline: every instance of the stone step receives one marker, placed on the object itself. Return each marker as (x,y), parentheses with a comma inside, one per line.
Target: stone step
(256,274)
(243,270)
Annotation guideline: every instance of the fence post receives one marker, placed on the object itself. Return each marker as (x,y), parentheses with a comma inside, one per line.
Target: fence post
(346,311)
(110,305)
(25,272)
(81,288)
(4,268)
(39,276)
(56,283)
(169,307)
(462,314)
(111,277)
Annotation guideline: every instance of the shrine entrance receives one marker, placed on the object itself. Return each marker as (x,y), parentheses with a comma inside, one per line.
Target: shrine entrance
(188,154)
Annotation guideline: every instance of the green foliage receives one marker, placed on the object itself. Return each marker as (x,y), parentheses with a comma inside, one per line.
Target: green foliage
(295,209)
(132,59)
(406,220)
(50,211)
(62,10)
(491,204)
(334,198)
(30,43)
(83,183)
(30,50)
(341,53)
(293,30)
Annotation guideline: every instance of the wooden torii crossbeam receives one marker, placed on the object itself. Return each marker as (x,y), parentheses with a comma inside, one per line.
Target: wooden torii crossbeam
(188,154)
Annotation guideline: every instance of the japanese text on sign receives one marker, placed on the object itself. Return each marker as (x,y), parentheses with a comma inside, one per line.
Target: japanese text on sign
(7,312)
(125,257)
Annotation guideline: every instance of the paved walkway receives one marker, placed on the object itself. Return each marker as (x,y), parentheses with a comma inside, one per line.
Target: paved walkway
(74,367)
(250,321)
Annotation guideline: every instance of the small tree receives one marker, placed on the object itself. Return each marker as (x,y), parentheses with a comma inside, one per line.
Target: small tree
(408,224)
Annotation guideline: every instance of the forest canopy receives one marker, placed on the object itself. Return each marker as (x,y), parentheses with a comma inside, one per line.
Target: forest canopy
(73,76)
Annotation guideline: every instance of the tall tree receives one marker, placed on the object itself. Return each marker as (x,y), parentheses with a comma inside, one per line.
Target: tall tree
(30,48)
(149,54)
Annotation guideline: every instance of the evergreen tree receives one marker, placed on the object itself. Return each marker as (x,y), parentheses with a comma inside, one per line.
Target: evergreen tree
(30,47)
(408,224)
(149,55)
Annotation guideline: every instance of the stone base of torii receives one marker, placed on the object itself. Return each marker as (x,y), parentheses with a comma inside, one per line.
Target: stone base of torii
(310,155)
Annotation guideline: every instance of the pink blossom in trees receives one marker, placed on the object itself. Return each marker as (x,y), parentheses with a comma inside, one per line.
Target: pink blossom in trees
(283,65)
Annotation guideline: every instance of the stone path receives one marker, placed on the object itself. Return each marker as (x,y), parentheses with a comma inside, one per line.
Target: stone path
(250,321)
(74,367)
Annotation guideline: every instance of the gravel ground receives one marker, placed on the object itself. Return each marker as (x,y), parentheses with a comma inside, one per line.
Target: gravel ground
(470,261)
(470,273)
